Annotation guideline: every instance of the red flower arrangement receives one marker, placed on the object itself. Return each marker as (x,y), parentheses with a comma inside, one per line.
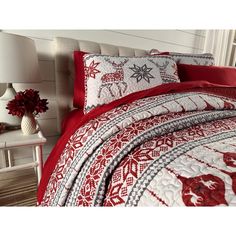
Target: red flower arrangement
(27,101)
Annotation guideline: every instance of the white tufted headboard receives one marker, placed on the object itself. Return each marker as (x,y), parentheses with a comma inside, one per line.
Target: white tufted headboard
(64,67)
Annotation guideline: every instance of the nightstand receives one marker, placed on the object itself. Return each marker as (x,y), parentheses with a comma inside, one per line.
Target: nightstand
(15,139)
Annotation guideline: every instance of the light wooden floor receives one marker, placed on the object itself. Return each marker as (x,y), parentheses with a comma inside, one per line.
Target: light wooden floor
(18,188)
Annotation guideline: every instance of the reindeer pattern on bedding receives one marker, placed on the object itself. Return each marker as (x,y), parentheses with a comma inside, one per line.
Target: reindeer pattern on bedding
(114,78)
(109,78)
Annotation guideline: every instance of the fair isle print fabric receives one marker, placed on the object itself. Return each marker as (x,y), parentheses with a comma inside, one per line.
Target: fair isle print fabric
(204,59)
(167,150)
(108,78)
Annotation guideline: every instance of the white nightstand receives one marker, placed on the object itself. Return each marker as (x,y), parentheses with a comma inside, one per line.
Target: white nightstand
(15,139)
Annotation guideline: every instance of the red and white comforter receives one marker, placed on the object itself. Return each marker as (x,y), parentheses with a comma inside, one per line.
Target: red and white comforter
(174,149)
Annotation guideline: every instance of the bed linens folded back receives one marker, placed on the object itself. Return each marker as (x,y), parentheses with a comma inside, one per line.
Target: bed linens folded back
(101,79)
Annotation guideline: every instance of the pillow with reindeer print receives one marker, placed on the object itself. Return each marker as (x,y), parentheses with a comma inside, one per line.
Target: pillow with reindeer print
(108,78)
(203,59)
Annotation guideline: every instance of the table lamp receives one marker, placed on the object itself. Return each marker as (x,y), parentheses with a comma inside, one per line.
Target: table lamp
(18,64)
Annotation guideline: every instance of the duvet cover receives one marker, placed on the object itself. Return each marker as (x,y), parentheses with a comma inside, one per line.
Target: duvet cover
(174,145)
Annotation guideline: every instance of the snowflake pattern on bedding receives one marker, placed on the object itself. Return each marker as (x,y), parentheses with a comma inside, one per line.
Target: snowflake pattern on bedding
(144,155)
(141,73)
(110,78)
(169,128)
(91,70)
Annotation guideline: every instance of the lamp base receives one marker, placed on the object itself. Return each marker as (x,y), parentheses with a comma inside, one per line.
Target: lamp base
(4,116)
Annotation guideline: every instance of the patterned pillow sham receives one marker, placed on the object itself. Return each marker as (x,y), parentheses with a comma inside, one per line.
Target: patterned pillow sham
(204,59)
(108,78)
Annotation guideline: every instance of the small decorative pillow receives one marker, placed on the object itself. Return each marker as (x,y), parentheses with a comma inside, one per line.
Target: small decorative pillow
(204,59)
(108,78)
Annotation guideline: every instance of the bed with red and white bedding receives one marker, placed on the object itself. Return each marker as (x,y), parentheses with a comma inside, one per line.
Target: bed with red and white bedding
(172,149)
(170,145)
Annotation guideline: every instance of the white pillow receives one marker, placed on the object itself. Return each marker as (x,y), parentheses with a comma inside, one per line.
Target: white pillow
(108,78)
(204,59)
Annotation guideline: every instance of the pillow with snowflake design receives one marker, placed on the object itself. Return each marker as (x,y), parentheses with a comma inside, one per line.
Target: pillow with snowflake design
(108,78)
(203,59)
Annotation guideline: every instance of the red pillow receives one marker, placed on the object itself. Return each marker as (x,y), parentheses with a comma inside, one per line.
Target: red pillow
(213,74)
(79,88)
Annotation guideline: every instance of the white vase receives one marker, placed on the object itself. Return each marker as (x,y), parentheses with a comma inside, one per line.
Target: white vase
(28,124)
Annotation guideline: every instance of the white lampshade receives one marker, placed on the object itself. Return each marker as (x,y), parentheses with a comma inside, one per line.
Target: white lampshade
(18,59)
(18,64)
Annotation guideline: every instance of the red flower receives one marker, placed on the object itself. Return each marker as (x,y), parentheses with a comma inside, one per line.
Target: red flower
(27,101)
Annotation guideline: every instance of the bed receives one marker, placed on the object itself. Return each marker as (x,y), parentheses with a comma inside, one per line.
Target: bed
(168,145)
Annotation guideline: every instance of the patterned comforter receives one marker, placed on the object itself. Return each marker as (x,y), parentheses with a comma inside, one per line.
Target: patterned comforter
(176,149)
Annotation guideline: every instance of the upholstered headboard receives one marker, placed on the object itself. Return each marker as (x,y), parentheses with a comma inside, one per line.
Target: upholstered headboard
(64,68)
